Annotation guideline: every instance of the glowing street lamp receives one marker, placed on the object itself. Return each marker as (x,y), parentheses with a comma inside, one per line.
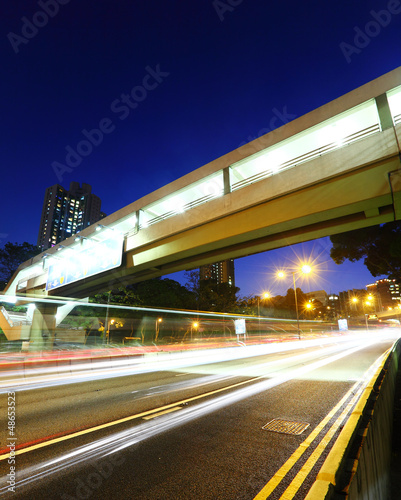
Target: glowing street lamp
(265,295)
(308,307)
(157,327)
(194,326)
(305,269)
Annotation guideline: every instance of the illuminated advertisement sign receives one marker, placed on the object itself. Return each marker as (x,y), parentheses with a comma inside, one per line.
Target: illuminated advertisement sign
(240,327)
(76,265)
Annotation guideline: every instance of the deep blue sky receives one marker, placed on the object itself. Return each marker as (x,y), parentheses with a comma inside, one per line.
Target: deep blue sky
(228,70)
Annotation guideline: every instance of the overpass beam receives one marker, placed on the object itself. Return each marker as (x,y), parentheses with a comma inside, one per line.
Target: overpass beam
(395,183)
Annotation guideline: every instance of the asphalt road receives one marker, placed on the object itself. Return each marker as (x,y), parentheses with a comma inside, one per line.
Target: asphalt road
(186,427)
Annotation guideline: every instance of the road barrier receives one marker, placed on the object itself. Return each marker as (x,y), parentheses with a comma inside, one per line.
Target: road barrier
(358,466)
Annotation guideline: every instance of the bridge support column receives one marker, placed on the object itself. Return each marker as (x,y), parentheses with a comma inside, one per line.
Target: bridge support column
(41,335)
(226,180)
(383,109)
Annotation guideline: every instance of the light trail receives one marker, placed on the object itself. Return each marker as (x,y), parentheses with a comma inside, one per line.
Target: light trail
(36,378)
(352,396)
(122,440)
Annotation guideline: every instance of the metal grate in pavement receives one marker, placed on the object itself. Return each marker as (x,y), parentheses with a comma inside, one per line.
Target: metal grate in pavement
(286,426)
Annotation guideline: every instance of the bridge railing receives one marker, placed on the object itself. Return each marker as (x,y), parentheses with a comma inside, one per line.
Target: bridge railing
(334,133)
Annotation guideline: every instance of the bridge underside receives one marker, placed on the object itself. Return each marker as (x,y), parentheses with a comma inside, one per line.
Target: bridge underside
(366,196)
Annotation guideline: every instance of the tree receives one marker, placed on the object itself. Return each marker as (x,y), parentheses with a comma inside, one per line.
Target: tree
(380,246)
(124,296)
(12,255)
(217,297)
(164,293)
(150,293)
(212,296)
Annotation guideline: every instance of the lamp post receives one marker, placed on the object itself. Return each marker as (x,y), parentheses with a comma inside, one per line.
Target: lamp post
(194,326)
(305,269)
(157,327)
(265,295)
(106,322)
(308,306)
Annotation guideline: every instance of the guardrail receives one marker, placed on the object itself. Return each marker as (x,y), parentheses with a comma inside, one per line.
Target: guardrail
(358,465)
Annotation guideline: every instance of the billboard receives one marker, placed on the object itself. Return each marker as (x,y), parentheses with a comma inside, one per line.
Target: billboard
(240,326)
(95,257)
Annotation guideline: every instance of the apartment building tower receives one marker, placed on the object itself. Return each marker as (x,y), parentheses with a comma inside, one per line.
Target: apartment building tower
(66,212)
(219,272)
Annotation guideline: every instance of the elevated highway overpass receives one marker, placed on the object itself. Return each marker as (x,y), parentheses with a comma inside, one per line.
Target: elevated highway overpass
(332,170)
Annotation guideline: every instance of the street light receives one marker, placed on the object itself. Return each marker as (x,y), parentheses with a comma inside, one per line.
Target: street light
(194,326)
(265,295)
(157,327)
(305,269)
(308,309)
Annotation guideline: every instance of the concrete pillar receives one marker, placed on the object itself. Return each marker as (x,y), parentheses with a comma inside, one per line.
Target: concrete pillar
(43,328)
(226,180)
(136,227)
(383,109)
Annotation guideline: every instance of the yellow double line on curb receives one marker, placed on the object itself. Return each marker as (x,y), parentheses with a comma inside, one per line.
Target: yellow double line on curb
(298,480)
(327,474)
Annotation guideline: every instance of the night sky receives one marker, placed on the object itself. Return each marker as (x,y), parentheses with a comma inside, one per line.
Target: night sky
(216,73)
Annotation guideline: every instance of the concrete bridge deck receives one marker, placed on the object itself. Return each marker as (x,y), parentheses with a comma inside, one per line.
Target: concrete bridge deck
(332,170)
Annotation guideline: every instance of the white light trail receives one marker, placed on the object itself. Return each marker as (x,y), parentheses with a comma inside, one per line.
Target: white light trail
(122,440)
(35,378)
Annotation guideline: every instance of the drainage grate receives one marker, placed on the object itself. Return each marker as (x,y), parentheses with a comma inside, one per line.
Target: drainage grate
(286,426)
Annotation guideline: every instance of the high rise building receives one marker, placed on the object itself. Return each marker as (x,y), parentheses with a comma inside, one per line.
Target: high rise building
(386,293)
(219,272)
(351,301)
(65,213)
